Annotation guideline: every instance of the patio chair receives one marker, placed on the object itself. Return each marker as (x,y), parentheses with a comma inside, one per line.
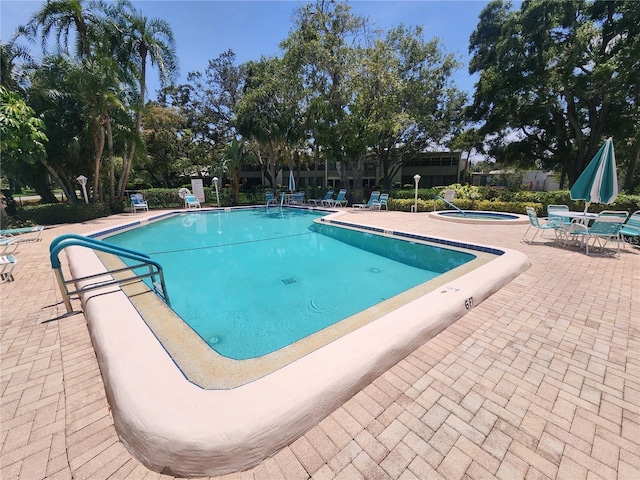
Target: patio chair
(297,198)
(19,232)
(558,208)
(190,201)
(269,199)
(318,201)
(339,200)
(381,202)
(375,196)
(8,245)
(539,226)
(138,203)
(7,264)
(606,227)
(631,228)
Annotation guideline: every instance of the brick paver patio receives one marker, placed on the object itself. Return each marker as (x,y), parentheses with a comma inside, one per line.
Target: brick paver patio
(540,381)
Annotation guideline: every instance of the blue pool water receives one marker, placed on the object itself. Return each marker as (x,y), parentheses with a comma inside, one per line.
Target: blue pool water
(251,282)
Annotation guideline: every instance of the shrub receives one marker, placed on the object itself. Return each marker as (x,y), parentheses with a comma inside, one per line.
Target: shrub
(54,213)
(162,198)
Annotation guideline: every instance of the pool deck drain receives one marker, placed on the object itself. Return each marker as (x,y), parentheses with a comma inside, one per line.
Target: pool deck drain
(542,380)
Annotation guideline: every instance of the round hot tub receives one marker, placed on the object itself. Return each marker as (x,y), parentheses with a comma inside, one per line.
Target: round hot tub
(480,217)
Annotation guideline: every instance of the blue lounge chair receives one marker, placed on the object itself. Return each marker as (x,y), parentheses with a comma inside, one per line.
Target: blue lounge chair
(138,203)
(381,202)
(270,199)
(297,198)
(631,229)
(554,225)
(339,200)
(318,201)
(8,245)
(375,196)
(18,232)
(7,264)
(606,227)
(190,201)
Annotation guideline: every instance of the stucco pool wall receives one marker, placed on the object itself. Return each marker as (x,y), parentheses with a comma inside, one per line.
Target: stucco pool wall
(176,427)
(446,216)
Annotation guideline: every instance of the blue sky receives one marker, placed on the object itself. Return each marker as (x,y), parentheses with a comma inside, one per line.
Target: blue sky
(204,29)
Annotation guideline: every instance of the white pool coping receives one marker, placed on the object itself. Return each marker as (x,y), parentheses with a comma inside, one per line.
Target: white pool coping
(177,428)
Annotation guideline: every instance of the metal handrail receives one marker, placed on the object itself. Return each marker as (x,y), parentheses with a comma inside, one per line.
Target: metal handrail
(64,241)
(448,203)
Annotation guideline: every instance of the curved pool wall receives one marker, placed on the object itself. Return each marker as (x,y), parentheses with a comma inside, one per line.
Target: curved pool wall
(454,216)
(175,427)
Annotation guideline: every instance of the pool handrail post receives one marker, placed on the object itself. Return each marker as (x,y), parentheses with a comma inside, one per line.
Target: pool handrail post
(63,289)
(64,241)
(438,197)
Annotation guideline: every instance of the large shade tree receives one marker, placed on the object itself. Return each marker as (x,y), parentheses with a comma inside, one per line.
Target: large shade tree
(22,137)
(555,77)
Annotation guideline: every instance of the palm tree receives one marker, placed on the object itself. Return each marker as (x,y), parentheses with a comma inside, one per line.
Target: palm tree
(10,75)
(236,156)
(147,39)
(61,17)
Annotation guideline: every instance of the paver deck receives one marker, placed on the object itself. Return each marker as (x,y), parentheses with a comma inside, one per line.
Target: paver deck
(540,381)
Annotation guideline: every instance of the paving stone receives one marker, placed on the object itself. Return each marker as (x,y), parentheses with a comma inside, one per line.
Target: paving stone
(541,377)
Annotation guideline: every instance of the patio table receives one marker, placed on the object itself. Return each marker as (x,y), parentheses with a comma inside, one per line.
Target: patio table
(579,217)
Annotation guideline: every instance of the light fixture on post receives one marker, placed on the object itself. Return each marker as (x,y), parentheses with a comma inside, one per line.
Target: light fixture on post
(215,184)
(416,178)
(82,180)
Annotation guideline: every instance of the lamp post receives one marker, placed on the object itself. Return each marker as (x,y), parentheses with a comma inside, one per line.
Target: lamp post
(215,184)
(416,178)
(82,180)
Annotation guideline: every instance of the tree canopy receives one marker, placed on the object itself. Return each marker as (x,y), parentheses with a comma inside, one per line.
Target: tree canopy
(556,79)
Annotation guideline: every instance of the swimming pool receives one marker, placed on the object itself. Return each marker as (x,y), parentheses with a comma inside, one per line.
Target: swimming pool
(480,217)
(172,424)
(250,283)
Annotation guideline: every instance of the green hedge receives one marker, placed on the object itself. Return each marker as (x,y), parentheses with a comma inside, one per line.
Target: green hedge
(405,205)
(55,213)
(501,198)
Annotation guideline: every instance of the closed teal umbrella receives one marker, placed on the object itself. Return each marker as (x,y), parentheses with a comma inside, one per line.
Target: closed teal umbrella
(598,183)
(292,181)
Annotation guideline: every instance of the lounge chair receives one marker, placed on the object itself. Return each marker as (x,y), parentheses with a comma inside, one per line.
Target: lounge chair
(632,227)
(270,199)
(8,245)
(297,198)
(605,227)
(375,196)
(138,203)
(190,201)
(553,224)
(7,264)
(381,202)
(318,201)
(19,232)
(339,200)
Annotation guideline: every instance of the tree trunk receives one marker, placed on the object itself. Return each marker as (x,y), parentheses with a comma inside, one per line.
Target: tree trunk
(67,188)
(634,159)
(112,163)
(98,144)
